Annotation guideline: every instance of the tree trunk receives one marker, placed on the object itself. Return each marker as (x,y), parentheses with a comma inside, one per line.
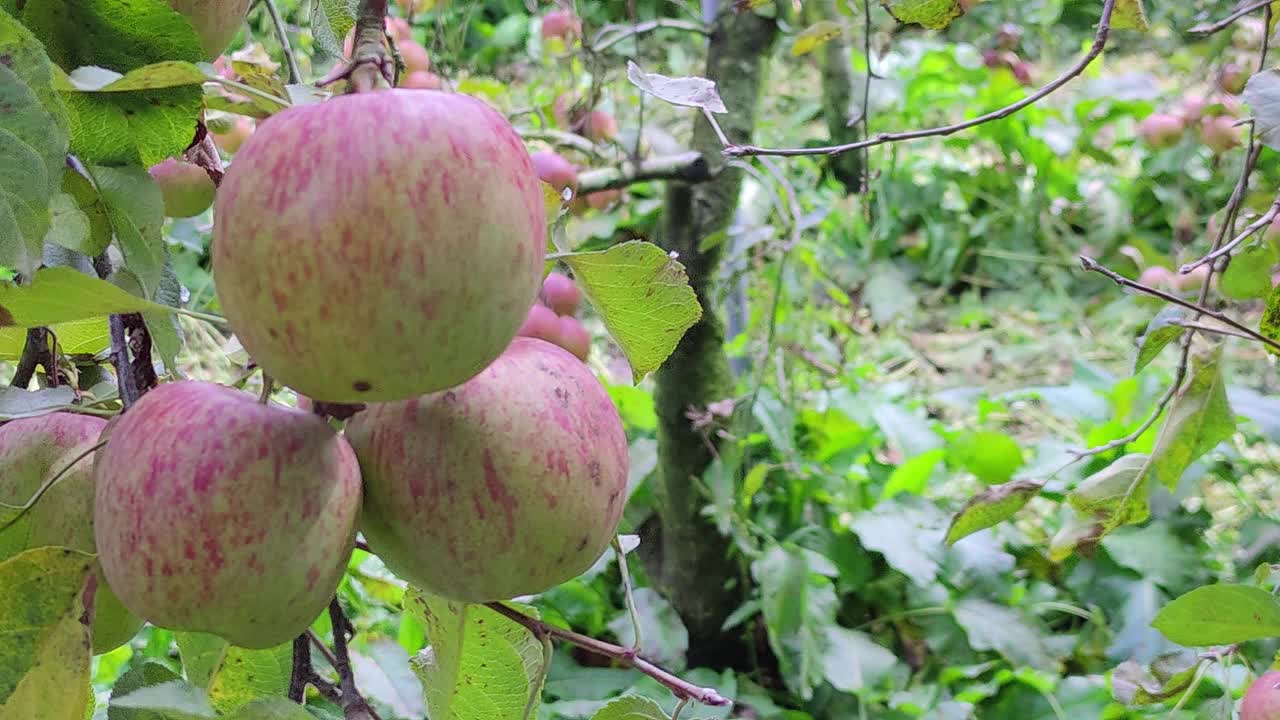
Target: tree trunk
(838,101)
(694,566)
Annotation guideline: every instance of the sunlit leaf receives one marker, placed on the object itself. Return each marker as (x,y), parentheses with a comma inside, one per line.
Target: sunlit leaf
(931,14)
(1220,615)
(992,506)
(1198,420)
(814,37)
(148,77)
(1129,15)
(61,294)
(1160,332)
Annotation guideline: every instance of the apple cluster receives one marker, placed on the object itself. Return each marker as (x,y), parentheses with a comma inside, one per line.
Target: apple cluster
(384,250)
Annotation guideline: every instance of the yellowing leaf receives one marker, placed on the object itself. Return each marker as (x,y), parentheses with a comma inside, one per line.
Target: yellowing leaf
(644,297)
(44,657)
(814,37)
(931,14)
(1129,15)
(990,507)
(166,74)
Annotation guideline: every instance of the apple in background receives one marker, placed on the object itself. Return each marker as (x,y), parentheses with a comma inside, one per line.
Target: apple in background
(603,199)
(561,294)
(555,170)
(400,29)
(1192,280)
(561,109)
(1192,107)
(1160,130)
(574,337)
(417,257)
(216,513)
(1159,277)
(415,57)
(506,485)
(216,22)
(1262,699)
(1219,133)
(1232,78)
(421,81)
(541,322)
(230,139)
(32,452)
(598,126)
(561,24)
(186,188)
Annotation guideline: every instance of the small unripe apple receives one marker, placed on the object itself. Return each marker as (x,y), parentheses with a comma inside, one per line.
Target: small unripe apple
(216,513)
(186,188)
(598,126)
(1219,134)
(402,269)
(234,136)
(1192,280)
(561,294)
(400,29)
(216,22)
(415,57)
(574,337)
(1160,277)
(1262,699)
(1232,78)
(561,24)
(506,485)
(541,322)
(555,170)
(421,81)
(1160,130)
(32,452)
(603,199)
(1192,107)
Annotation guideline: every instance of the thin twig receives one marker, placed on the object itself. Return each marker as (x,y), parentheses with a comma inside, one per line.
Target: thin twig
(120,360)
(1211,329)
(1227,249)
(611,35)
(1234,16)
(1099,42)
(623,656)
(637,633)
(1137,433)
(1092,265)
(324,649)
(282,33)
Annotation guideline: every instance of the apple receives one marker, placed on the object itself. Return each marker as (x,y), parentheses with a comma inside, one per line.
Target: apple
(1232,78)
(555,170)
(1219,133)
(1159,277)
(234,136)
(506,485)
(1262,699)
(216,513)
(574,337)
(32,452)
(598,126)
(421,81)
(1160,130)
(561,24)
(561,294)
(400,29)
(414,56)
(186,188)
(541,322)
(380,275)
(216,22)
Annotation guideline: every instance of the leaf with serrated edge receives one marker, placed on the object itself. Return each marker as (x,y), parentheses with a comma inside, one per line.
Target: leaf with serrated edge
(167,74)
(45,651)
(136,210)
(247,675)
(1160,332)
(991,507)
(931,14)
(1198,420)
(61,294)
(644,297)
(331,20)
(1219,615)
(687,91)
(491,679)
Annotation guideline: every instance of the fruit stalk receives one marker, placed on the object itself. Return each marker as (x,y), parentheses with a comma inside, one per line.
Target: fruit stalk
(371,67)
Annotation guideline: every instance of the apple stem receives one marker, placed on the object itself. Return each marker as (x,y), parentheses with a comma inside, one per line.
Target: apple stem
(371,67)
(627,657)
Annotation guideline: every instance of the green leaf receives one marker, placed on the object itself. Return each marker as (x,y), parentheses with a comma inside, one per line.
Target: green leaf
(852,661)
(798,606)
(68,224)
(492,678)
(271,709)
(331,20)
(1160,332)
(62,294)
(1269,325)
(135,209)
(913,475)
(1133,685)
(932,14)
(1262,93)
(644,298)
(1248,277)
(247,675)
(1115,495)
(1199,419)
(27,58)
(32,151)
(991,507)
(202,655)
(148,674)
(1129,15)
(814,37)
(19,403)
(1017,637)
(172,700)
(90,204)
(166,74)
(117,34)
(1220,615)
(131,128)
(630,707)
(78,337)
(44,658)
